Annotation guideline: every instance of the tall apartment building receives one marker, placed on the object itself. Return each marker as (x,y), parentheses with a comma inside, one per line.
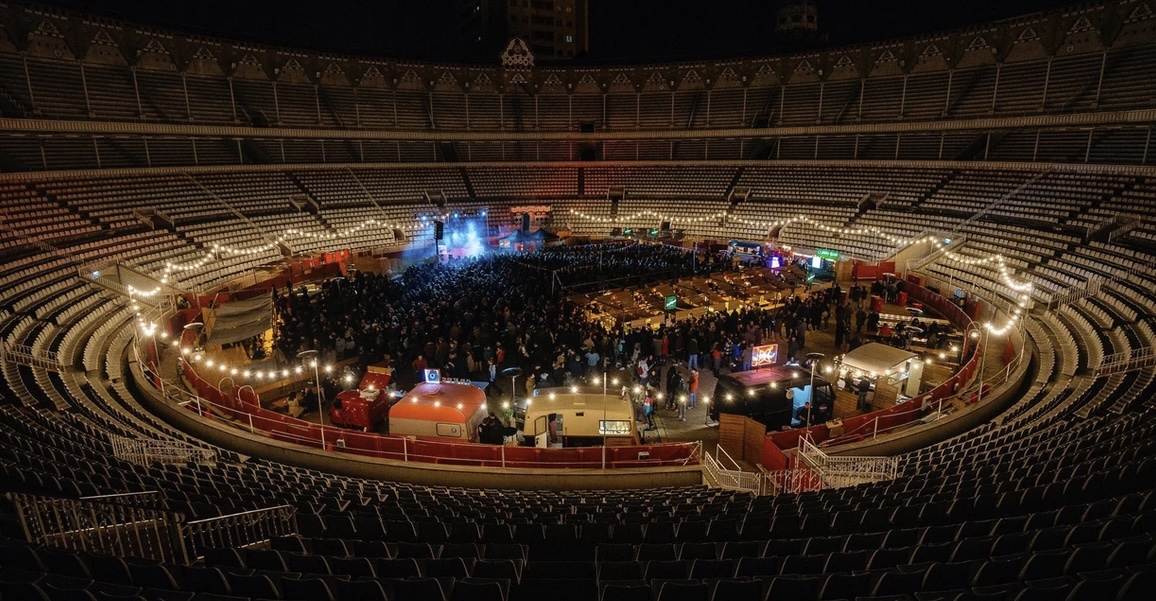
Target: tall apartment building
(554,29)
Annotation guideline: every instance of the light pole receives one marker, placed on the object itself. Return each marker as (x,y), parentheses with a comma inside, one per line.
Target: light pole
(150,331)
(814,357)
(513,373)
(312,354)
(196,328)
(982,356)
(605,381)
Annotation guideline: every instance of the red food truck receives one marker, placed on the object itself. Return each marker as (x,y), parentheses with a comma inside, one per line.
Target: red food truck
(367,406)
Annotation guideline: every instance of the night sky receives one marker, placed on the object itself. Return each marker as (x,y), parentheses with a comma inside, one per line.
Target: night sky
(621,30)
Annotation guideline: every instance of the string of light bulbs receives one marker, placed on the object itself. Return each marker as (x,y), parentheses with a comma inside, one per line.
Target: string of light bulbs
(1023,288)
(217,251)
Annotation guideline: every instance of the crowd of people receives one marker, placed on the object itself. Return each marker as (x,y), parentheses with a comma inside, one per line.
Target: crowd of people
(472,318)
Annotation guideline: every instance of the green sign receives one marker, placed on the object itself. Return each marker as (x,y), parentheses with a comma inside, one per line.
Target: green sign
(654,232)
(628,231)
(671,303)
(826,253)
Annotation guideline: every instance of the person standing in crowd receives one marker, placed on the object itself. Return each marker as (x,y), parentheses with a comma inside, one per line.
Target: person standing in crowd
(692,387)
(649,407)
(592,359)
(419,366)
(692,352)
(673,384)
(863,388)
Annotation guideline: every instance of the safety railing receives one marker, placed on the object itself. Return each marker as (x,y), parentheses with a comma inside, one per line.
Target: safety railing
(789,481)
(23,354)
(1074,293)
(147,451)
(238,530)
(732,477)
(916,264)
(101,527)
(1137,358)
(147,499)
(840,472)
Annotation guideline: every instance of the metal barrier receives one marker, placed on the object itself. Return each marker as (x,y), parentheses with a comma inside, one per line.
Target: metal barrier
(238,530)
(730,478)
(116,525)
(1076,292)
(148,451)
(1137,358)
(840,472)
(23,354)
(792,481)
(914,265)
(100,527)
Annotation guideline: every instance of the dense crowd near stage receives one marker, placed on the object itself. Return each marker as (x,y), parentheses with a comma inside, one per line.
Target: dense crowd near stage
(472,318)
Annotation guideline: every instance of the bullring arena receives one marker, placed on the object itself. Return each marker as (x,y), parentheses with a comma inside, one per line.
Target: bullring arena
(257,302)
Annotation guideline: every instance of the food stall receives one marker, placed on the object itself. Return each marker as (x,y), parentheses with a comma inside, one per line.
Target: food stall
(445,410)
(559,417)
(895,374)
(367,406)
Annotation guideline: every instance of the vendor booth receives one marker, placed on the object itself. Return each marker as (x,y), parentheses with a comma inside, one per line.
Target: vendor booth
(560,418)
(367,406)
(439,411)
(894,374)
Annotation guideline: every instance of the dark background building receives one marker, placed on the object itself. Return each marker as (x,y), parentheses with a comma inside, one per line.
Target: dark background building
(554,29)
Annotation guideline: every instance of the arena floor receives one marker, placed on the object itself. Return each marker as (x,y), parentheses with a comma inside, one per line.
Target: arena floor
(668,426)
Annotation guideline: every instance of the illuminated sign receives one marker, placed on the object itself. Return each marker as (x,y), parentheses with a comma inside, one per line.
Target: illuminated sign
(628,231)
(653,232)
(767,354)
(826,253)
(433,376)
(671,303)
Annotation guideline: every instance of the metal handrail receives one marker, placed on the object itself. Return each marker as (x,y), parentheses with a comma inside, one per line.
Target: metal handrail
(731,478)
(99,527)
(1129,360)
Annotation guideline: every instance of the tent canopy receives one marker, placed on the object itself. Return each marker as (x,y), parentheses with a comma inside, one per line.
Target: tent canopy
(876,358)
(238,320)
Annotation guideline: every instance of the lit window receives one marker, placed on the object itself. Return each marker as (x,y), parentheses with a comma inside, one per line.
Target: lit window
(614,427)
(569,39)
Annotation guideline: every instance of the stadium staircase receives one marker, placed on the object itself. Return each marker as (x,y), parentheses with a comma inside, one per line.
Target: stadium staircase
(330,108)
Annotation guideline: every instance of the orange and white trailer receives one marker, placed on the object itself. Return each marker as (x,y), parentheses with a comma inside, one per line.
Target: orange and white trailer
(445,411)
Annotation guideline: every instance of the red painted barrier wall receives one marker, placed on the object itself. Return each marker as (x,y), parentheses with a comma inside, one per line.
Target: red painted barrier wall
(864,426)
(242,405)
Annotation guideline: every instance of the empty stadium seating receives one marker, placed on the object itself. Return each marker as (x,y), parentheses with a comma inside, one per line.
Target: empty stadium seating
(1052,499)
